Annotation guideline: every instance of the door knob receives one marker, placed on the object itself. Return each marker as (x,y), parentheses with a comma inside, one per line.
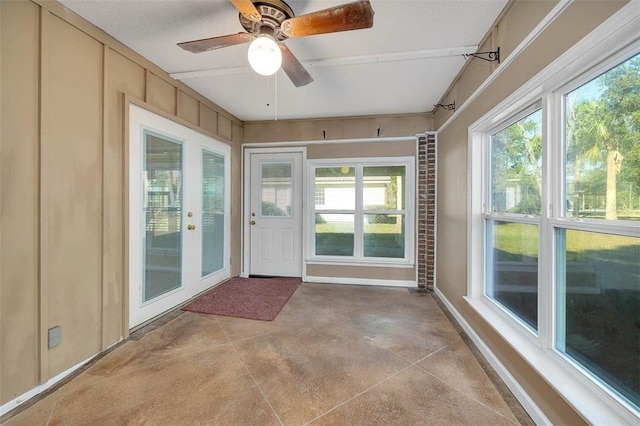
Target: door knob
(191,227)
(253,222)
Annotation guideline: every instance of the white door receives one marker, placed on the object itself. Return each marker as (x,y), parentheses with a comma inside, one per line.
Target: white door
(179,212)
(275,222)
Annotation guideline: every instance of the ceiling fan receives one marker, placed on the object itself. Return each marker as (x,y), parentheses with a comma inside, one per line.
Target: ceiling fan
(275,20)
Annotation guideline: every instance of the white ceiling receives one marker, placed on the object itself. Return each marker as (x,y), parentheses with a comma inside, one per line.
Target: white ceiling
(401,65)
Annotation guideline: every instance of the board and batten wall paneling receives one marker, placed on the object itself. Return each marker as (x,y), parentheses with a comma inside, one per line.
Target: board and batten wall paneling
(188,108)
(225,127)
(209,119)
(236,215)
(19,237)
(124,76)
(121,76)
(63,177)
(161,94)
(71,214)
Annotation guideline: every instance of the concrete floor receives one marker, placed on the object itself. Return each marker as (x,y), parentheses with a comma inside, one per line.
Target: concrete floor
(339,355)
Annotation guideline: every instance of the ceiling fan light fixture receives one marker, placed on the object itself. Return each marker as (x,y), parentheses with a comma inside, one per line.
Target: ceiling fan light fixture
(264,55)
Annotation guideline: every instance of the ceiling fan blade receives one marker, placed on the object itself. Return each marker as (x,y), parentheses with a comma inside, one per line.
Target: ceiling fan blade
(293,68)
(247,9)
(198,46)
(346,17)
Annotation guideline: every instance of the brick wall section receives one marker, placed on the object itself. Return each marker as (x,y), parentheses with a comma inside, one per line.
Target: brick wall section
(426,210)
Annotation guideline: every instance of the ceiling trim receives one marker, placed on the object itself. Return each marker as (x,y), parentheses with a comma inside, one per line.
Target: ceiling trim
(328,141)
(347,60)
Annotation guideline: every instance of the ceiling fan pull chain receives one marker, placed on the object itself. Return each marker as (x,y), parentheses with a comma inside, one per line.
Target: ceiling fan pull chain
(275,96)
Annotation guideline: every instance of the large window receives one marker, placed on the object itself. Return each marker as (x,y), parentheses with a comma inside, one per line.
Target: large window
(364,213)
(555,229)
(513,216)
(598,250)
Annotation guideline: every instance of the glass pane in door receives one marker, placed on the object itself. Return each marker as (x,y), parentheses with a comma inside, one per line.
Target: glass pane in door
(163,213)
(212,212)
(276,189)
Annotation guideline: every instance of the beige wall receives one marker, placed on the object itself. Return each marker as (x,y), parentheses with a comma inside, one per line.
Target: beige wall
(63,178)
(19,199)
(362,272)
(391,148)
(574,23)
(515,22)
(337,128)
(71,192)
(369,149)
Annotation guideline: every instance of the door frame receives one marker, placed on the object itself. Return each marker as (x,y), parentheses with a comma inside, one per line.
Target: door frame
(246,203)
(197,140)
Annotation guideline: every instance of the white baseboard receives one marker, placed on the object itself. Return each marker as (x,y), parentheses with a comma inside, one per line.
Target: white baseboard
(521,395)
(5,408)
(360,281)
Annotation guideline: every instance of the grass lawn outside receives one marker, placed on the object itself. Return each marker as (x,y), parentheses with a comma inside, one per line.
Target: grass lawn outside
(601,293)
(510,236)
(347,227)
(380,239)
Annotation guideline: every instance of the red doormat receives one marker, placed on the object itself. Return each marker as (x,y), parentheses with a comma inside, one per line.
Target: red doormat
(251,298)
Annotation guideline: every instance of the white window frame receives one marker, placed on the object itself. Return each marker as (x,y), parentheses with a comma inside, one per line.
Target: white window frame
(609,45)
(523,219)
(409,211)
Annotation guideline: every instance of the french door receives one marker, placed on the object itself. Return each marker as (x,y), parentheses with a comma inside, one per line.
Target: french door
(179,214)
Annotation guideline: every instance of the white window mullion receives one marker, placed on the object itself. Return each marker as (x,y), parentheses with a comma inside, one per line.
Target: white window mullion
(488,225)
(476,194)
(311,222)
(558,297)
(358,230)
(486,173)
(546,256)
(554,252)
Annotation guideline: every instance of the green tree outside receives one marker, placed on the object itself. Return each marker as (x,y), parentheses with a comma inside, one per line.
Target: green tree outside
(603,134)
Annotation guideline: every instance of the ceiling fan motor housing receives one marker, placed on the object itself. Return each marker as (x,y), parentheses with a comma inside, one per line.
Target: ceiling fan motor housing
(273,13)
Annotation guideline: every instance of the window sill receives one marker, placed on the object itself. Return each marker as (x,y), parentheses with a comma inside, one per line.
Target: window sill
(385,263)
(596,404)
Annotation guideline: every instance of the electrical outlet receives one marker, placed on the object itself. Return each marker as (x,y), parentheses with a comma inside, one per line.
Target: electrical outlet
(54,336)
